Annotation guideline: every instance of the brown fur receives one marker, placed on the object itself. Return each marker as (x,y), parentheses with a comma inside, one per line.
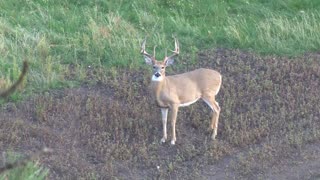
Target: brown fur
(173,91)
(184,89)
(191,86)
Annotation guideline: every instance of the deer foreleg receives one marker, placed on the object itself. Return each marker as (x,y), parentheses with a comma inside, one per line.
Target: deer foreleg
(173,123)
(164,113)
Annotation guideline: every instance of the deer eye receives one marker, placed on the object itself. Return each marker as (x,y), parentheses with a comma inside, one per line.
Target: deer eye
(154,67)
(162,67)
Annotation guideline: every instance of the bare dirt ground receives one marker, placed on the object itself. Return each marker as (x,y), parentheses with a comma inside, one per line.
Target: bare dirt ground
(269,126)
(302,164)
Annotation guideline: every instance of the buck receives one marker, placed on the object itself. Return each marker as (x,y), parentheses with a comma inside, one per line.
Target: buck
(172,92)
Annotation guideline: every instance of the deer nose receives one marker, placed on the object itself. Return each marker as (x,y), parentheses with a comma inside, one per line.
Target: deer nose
(157,74)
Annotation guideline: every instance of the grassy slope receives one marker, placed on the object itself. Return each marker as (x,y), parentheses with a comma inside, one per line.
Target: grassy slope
(54,34)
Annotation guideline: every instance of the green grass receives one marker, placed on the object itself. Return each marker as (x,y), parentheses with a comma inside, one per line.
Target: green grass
(53,35)
(29,171)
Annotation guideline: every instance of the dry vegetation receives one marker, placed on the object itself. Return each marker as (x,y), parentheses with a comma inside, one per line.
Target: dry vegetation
(270,112)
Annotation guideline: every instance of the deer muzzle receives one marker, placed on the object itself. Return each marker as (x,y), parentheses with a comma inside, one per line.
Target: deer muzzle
(157,74)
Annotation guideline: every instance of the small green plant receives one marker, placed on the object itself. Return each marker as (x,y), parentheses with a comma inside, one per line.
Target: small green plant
(31,171)
(20,169)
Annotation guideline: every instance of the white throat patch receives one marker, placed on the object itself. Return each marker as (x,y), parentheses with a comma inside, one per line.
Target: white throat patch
(155,78)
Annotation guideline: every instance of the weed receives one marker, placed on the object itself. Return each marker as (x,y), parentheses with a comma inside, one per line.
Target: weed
(30,170)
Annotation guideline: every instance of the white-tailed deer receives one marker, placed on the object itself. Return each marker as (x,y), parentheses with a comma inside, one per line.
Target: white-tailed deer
(172,92)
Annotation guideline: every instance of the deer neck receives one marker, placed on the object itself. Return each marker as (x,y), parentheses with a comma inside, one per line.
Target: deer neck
(157,87)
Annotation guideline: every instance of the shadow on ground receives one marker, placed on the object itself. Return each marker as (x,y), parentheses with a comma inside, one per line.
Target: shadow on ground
(269,124)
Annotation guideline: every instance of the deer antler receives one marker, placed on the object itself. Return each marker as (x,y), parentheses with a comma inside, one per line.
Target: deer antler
(176,49)
(143,49)
(154,51)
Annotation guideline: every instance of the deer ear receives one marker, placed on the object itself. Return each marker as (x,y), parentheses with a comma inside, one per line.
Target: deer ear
(169,61)
(148,60)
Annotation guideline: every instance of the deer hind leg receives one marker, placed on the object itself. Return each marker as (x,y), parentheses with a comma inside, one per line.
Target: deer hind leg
(164,113)
(213,104)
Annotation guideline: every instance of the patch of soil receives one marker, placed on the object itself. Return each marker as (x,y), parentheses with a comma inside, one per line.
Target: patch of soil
(269,125)
(302,164)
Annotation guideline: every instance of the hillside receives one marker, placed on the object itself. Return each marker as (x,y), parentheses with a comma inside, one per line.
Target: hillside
(86,94)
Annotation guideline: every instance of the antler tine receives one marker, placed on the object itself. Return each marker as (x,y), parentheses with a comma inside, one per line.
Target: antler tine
(154,51)
(143,44)
(177,45)
(176,48)
(166,52)
(143,49)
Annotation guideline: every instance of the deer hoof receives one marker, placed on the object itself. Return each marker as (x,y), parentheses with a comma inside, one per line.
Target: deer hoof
(214,134)
(213,137)
(173,142)
(163,140)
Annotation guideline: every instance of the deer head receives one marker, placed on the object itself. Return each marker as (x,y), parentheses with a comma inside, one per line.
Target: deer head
(159,67)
